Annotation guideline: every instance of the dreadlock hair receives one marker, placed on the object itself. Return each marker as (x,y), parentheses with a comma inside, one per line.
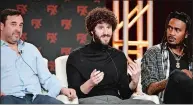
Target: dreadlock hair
(99,15)
(188,41)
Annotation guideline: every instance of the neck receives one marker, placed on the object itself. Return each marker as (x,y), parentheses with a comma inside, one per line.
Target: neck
(11,45)
(98,46)
(177,49)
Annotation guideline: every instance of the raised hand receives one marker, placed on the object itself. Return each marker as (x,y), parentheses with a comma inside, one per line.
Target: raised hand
(96,77)
(134,70)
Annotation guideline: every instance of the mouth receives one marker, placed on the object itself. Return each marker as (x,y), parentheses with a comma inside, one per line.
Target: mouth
(105,36)
(171,39)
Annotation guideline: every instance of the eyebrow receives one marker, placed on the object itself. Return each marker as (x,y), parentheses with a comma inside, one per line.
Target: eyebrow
(174,27)
(16,22)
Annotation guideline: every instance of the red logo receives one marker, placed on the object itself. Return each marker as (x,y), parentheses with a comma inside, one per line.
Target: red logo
(81,37)
(52,9)
(22,8)
(51,65)
(67,23)
(82,10)
(52,37)
(66,50)
(24,36)
(97,1)
(36,23)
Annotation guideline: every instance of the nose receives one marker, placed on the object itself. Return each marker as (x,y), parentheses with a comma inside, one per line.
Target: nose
(172,32)
(18,29)
(105,31)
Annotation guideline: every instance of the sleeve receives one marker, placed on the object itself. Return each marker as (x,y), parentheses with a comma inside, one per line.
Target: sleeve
(149,70)
(47,80)
(73,76)
(124,80)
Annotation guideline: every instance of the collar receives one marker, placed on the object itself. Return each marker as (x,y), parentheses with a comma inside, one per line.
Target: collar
(3,43)
(98,46)
(20,43)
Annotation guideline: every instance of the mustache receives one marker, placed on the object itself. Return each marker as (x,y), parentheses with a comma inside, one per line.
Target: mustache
(171,37)
(17,33)
(106,35)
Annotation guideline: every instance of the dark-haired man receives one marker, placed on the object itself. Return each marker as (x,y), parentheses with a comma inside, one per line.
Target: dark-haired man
(166,67)
(23,70)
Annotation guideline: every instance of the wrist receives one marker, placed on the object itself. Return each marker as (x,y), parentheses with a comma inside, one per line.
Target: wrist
(132,85)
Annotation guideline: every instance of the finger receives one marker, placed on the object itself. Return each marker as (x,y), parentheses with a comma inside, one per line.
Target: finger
(92,74)
(73,94)
(138,65)
(97,72)
(130,70)
(68,94)
(132,66)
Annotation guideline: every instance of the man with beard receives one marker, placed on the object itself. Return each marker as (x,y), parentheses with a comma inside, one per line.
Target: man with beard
(97,71)
(166,67)
(23,70)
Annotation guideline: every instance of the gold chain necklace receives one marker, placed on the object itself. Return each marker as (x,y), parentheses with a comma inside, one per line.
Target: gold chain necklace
(177,58)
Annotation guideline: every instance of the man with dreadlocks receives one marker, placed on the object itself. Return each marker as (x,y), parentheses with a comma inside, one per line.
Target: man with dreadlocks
(166,67)
(97,71)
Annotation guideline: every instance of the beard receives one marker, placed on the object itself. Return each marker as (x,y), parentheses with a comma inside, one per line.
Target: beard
(98,39)
(171,41)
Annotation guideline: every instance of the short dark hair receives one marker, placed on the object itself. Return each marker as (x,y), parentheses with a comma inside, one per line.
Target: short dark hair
(99,15)
(8,12)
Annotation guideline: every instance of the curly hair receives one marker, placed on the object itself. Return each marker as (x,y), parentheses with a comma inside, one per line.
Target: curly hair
(99,15)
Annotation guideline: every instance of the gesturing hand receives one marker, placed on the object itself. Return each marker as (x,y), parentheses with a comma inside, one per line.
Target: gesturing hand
(134,70)
(96,77)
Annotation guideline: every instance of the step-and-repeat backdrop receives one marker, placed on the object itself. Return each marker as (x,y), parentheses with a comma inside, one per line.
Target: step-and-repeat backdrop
(55,27)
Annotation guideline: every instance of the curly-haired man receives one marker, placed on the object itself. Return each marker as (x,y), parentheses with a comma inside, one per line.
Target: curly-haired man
(97,71)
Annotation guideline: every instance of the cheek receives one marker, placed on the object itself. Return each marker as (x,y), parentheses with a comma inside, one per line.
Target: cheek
(181,37)
(99,34)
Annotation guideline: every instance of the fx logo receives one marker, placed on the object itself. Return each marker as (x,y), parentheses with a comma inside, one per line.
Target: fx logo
(65,50)
(22,8)
(51,65)
(66,23)
(52,9)
(52,37)
(82,10)
(81,37)
(24,36)
(36,23)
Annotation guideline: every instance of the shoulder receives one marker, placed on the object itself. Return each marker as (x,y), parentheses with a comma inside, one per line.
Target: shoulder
(153,50)
(30,47)
(76,51)
(117,52)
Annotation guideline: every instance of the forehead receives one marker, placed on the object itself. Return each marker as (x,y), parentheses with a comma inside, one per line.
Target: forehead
(14,18)
(177,23)
(103,24)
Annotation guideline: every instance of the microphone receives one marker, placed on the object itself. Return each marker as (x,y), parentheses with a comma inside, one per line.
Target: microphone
(20,52)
